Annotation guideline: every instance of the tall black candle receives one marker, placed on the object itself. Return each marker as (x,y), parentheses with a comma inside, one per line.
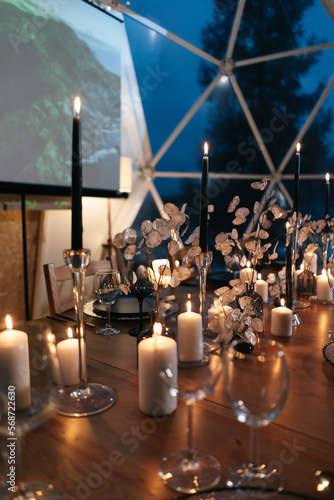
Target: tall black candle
(203,215)
(327,196)
(296,183)
(76,179)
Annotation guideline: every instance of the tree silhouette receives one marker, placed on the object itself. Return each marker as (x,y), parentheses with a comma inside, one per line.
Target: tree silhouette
(275,94)
(273,90)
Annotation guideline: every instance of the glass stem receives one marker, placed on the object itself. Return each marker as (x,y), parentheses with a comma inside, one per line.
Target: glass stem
(190,450)
(202,295)
(108,315)
(254,447)
(294,251)
(78,281)
(141,324)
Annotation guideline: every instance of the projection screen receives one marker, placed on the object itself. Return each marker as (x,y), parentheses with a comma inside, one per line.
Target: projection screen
(50,52)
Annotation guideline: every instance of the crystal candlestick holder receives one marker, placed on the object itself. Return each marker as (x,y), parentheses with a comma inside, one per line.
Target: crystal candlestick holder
(203,262)
(84,399)
(296,303)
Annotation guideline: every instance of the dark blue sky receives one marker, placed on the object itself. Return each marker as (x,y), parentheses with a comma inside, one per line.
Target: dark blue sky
(177,88)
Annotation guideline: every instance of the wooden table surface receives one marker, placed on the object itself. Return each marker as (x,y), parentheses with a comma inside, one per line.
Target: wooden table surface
(116,454)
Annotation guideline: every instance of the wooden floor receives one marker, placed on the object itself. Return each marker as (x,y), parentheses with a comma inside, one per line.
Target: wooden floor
(116,454)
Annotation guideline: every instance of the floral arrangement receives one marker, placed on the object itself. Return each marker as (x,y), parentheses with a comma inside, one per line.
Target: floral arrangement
(162,232)
(242,319)
(255,248)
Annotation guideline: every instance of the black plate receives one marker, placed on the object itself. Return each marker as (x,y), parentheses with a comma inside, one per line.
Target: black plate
(125,306)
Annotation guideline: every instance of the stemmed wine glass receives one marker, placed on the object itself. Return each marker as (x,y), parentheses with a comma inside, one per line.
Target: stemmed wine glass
(256,386)
(190,470)
(25,406)
(141,286)
(107,290)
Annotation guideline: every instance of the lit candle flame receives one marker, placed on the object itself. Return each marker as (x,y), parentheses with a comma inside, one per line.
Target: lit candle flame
(282,303)
(206,149)
(157,328)
(259,277)
(248,264)
(327,177)
(77,105)
(51,338)
(323,485)
(298,148)
(188,306)
(70,333)
(287,225)
(9,323)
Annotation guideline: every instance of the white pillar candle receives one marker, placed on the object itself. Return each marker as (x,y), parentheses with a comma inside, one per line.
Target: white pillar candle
(68,355)
(324,293)
(222,317)
(311,261)
(297,273)
(14,364)
(281,321)
(261,287)
(190,336)
(162,272)
(155,355)
(247,274)
(214,310)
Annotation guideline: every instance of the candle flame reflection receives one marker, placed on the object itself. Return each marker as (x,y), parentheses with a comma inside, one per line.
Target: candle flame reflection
(77,105)
(206,149)
(9,322)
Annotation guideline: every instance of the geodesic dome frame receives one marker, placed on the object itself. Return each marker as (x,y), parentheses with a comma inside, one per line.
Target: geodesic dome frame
(225,69)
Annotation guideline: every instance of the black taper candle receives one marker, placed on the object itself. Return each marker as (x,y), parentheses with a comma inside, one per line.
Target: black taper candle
(327,204)
(76,179)
(296,182)
(203,215)
(327,197)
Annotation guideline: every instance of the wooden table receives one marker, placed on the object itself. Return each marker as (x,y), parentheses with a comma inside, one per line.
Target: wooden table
(116,454)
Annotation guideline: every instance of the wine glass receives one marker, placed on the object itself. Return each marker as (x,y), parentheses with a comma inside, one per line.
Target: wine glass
(256,386)
(29,397)
(190,470)
(107,291)
(141,286)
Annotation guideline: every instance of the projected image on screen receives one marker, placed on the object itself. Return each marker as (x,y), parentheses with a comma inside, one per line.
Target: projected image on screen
(49,53)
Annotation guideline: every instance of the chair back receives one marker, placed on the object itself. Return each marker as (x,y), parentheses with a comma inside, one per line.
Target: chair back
(54,276)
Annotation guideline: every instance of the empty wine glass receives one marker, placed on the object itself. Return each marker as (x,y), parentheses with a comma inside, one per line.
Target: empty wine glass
(256,386)
(29,396)
(190,470)
(107,290)
(141,286)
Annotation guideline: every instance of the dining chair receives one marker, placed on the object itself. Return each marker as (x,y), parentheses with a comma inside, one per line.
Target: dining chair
(55,276)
